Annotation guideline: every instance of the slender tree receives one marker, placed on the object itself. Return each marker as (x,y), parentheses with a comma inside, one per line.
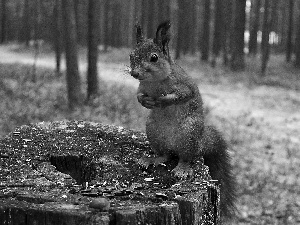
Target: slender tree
(155,16)
(36,36)
(274,18)
(238,42)
(151,21)
(107,29)
(205,31)
(131,18)
(93,37)
(180,27)
(116,40)
(144,19)
(268,23)
(227,28)
(57,34)
(218,29)
(77,18)
(297,45)
(164,10)
(265,46)
(190,25)
(254,25)
(290,31)
(72,76)
(25,34)
(3,21)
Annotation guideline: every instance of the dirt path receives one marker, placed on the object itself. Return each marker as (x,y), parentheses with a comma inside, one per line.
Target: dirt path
(108,71)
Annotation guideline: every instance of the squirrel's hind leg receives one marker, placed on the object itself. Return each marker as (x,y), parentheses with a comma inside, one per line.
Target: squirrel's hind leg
(183,169)
(147,161)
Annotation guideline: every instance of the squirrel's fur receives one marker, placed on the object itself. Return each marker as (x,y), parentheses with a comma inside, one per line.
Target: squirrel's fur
(175,125)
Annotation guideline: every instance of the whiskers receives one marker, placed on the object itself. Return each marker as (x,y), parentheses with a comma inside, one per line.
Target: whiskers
(127,70)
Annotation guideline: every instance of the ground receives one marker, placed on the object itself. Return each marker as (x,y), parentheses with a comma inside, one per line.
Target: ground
(259,116)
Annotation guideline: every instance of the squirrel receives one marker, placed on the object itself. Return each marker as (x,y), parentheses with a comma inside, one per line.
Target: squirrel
(175,125)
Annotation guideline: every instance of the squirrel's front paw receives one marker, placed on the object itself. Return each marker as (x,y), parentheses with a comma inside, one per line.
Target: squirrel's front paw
(167,100)
(146,101)
(183,170)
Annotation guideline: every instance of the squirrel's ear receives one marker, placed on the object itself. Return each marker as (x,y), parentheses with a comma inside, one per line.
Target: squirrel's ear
(139,33)
(162,37)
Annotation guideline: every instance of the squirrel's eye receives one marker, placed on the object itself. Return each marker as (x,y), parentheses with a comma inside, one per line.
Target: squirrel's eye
(153,57)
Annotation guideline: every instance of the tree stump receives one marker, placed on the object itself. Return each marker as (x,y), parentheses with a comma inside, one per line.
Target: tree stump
(76,172)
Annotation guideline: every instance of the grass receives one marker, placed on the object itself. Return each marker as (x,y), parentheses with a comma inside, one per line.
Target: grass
(259,117)
(25,102)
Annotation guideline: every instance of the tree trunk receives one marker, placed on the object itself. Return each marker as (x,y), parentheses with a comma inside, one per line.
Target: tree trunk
(190,21)
(185,31)
(26,28)
(106,24)
(254,26)
(218,30)
(72,76)
(289,45)
(131,18)
(184,25)
(57,34)
(265,46)
(36,36)
(193,27)
(297,45)
(205,32)
(274,20)
(151,25)
(136,19)
(155,18)
(116,25)
(77,18)
(144,19)
(93,37)
(180,28)
(227,29)
(164,10)
(3,22)
(238,57)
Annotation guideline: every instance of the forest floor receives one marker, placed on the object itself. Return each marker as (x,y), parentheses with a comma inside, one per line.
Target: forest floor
(259,117)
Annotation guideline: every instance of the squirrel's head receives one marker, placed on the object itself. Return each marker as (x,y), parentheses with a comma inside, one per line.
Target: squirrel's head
(150,61)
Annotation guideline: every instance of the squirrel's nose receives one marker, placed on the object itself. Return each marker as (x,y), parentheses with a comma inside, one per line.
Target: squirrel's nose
(134,73)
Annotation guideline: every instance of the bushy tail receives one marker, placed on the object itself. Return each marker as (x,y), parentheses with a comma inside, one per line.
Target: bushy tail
(217,158)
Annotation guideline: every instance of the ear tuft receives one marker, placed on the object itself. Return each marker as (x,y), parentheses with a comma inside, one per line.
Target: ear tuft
(139,33)
(162,37)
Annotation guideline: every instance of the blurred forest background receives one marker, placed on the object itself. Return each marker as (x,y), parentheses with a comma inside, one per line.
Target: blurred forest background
(68,59)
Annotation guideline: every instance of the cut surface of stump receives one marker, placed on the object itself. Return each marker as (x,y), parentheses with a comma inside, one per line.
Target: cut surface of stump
(76,172)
